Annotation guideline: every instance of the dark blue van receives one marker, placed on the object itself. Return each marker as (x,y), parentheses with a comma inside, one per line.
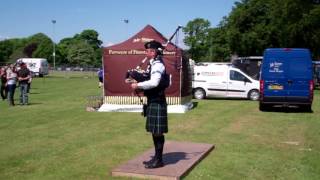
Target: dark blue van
(286,78)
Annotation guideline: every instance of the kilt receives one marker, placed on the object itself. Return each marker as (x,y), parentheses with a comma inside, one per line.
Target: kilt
(157,118)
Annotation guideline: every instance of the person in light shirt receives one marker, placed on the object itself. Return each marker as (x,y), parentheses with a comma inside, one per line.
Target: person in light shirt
(11,83)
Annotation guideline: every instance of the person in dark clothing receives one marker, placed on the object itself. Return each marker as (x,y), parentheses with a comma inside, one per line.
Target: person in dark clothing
(100,77)
(156,112)
(4,89)
(23,78)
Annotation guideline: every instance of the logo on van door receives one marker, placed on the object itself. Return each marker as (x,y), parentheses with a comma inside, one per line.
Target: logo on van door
(32,65)
(276,67)
(212,73)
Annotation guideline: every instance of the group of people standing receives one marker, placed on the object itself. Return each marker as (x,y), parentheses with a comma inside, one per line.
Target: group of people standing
(11,76)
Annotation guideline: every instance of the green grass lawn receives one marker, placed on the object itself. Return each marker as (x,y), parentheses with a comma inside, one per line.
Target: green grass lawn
(55,138)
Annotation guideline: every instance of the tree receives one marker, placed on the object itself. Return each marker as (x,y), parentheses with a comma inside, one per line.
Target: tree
(218,45)
(247,27)
(29,49)
(196,37)
(17,46)
(6,49)
(89,37)
(62,49)
(44,46)
(16,54)
(81,54)
(255,25)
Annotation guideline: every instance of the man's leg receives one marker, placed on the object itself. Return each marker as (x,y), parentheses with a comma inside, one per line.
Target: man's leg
(3,92)
(25,94)
(29,86)
(155,151)
(159,150)
(21,94)
(11,89)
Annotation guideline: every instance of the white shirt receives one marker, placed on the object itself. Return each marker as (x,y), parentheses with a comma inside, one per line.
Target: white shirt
(12,77)
(157,69)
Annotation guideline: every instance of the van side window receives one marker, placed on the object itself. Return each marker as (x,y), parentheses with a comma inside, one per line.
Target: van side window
(236,76)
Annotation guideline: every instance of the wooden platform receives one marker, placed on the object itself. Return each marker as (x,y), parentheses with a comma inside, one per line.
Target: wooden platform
(179,158)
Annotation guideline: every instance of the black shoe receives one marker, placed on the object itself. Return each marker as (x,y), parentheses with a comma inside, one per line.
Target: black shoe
(150,161)
(155,164)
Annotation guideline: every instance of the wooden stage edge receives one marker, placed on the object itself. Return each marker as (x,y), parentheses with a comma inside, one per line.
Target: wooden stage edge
(179,159)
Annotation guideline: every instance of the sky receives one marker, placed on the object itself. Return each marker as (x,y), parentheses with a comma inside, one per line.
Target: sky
(24,18)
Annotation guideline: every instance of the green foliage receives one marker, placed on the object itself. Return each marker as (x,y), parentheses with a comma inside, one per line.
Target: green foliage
(196,38)
(219,50)
(11,50)
(6,50)
(81,53)
(89,37)
(16,54)
(62,49)
(41,46)
(29,49)
(254,25)
(44,46)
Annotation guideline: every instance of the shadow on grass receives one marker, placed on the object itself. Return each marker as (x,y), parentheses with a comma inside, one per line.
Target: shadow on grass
(34,93)
(32,104)
(283,109)
(195,104)
(223,99)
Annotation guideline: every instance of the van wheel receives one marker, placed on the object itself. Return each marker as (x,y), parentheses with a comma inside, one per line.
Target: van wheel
(199,93)
(253,95)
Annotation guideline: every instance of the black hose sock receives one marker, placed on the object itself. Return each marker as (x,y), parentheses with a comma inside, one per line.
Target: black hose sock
(160,145)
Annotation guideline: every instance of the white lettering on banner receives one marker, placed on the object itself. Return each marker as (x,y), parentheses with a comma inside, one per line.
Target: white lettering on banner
(169,52)
(137,52)
(144,40)
(117,52)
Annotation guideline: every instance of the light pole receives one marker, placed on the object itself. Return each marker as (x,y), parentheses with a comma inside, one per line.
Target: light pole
(127,22)
(54,46)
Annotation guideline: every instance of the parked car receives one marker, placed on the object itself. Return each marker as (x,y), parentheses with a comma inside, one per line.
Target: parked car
(316,73)
(223,80)
(286,78)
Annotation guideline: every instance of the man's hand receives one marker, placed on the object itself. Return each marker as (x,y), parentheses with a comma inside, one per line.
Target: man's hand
(134,86)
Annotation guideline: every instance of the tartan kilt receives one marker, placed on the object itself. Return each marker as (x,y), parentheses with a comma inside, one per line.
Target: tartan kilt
(157,118)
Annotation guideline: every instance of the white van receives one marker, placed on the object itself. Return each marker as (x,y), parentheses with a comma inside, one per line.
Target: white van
(223,80)
(38,66)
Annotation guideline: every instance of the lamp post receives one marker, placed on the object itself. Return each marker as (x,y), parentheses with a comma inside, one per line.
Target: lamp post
(127,22)
(54,46)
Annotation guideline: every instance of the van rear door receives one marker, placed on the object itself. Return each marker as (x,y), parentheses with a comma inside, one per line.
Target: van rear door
(300,71)
(275,80)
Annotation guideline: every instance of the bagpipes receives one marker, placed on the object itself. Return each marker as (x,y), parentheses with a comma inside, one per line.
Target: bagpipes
(140,75)
(137,74)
